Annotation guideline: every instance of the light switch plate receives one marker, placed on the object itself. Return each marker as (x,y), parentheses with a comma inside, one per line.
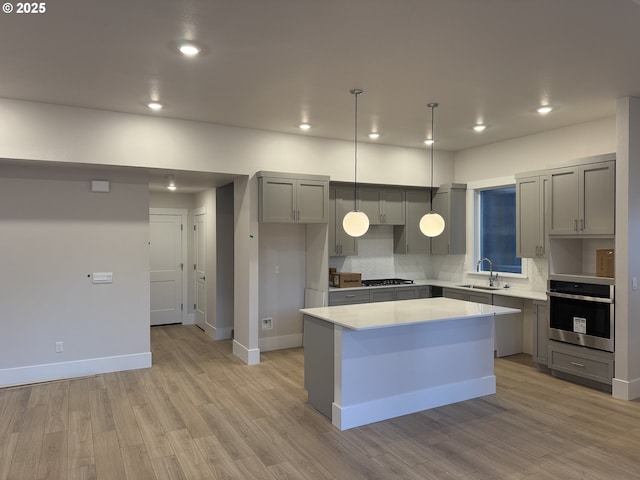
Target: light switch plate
(102,277)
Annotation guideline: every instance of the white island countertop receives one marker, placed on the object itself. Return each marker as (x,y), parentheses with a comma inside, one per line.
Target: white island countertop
(390,314)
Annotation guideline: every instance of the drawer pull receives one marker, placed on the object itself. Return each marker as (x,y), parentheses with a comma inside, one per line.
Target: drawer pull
(349,296)
(577,364)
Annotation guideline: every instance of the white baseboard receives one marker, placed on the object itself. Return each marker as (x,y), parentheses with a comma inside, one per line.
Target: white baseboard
(78,368)
(625,390)
(390,407)
(281,342)
(248,356)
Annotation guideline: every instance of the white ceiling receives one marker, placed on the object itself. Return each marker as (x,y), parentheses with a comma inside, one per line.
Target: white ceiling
(270,64)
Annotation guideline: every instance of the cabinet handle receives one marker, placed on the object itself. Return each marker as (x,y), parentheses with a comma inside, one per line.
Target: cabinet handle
(581,224)
(577,364)
(575,224)
(349,296)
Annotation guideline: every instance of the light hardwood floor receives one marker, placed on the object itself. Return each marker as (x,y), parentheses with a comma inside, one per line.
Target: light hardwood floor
(199,413)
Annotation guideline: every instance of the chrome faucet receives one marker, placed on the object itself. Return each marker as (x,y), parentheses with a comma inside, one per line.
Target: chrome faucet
(491,277)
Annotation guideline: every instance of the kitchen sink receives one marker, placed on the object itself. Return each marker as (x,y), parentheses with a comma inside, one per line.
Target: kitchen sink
(479,287)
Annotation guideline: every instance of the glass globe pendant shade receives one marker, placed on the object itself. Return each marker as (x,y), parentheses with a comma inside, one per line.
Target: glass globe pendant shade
(432,224)
(355,223)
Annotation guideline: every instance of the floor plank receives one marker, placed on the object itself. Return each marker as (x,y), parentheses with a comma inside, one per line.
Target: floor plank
(200,413)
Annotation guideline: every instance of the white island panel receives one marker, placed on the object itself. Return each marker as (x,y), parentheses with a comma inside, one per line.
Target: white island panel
(410,369)
(383,360)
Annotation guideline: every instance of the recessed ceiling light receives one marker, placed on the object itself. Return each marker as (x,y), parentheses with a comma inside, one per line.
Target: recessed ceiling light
(189,49)
(155,106)
(374,135)
(544,109)
(304,126)
(429,141)
(480,128)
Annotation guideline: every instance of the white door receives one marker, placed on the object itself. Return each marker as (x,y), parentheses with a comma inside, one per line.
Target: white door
(200,237)
(166,268)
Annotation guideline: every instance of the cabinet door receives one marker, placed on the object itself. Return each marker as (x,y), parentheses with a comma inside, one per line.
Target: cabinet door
(564,209)
(451,203)
(345,244)
(455,294)
(529,218)
(369,203)
(278,200)
(312,201)
(424,292)
(477,297)
(440,244)
(540,333)
(406,293)
(381,295)
(408,238)
(597,196)
(393,211)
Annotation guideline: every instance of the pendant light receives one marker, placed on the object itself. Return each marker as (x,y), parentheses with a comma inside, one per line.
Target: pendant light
(432,224)
(355,223)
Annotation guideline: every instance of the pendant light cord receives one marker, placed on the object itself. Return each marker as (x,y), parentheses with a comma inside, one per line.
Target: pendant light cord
(433,140)
(355,92)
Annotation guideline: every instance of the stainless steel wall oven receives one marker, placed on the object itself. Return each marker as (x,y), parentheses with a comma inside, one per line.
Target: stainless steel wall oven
(582,314)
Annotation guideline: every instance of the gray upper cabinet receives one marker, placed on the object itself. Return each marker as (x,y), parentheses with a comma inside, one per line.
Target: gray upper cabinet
(531,194)
(340,203)
(383,206)
(408,238)
(293,198)
(582,199)
(450,201)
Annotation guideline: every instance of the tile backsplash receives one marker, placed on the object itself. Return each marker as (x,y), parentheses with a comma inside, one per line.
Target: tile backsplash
(375,259)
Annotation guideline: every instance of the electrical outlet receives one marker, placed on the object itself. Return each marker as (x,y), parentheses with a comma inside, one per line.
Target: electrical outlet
(267,323)
(59,347)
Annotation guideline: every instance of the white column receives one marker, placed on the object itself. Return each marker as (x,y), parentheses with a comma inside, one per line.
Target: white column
(245,343)
(626,382)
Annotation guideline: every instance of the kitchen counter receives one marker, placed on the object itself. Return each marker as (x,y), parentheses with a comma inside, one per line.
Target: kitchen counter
(391,314)
(505,292)
(370,362)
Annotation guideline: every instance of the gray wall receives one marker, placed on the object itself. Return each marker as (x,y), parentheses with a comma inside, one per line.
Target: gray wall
(53,235)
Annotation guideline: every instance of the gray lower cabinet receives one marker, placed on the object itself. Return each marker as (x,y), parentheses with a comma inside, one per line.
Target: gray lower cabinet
(381,294)
(593,366)
(540,333)
(348,297)
(478,297)
(508,328)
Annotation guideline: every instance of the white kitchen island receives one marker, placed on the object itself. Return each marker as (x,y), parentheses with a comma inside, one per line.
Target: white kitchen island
(370,362)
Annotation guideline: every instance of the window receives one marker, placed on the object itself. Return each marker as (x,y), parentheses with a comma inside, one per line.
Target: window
(497,230)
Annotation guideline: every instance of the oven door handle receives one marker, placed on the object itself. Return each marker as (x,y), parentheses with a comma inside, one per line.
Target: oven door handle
(580,297)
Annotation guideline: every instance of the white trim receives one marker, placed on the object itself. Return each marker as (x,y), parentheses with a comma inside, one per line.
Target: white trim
(248,356)
(281,342)
(411,402)
(184,213)
(626,390)
(73,369)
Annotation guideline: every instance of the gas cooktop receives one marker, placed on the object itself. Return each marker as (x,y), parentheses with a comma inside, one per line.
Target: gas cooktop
(385,281)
